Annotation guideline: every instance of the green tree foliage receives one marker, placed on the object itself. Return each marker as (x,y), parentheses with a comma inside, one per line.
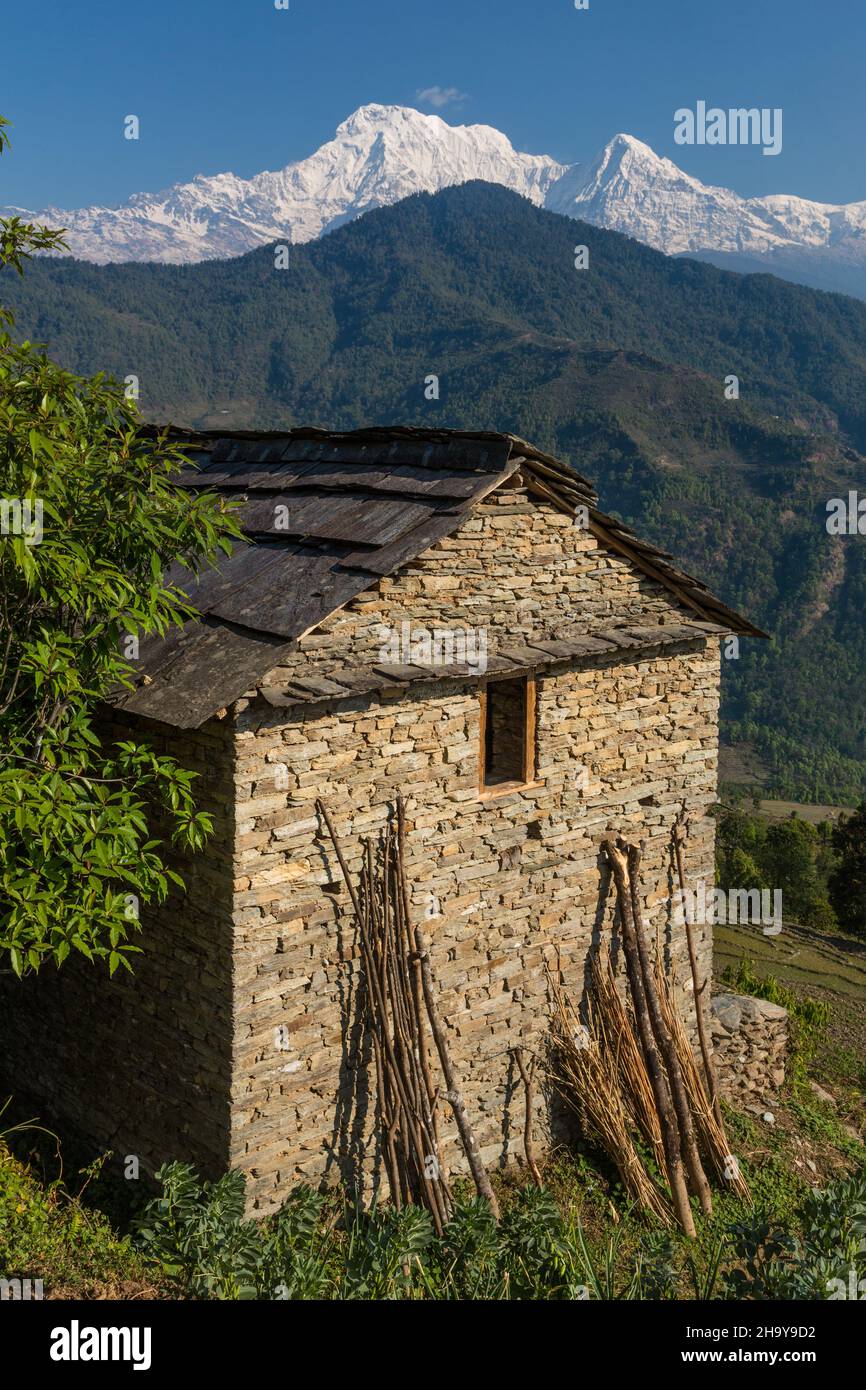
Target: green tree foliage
(91,518)
(848,879)
(789,855)
(789,861)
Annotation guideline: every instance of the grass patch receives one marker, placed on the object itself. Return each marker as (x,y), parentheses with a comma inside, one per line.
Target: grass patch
(46,1233)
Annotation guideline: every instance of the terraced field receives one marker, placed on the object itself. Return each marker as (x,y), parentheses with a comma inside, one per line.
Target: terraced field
(822,967)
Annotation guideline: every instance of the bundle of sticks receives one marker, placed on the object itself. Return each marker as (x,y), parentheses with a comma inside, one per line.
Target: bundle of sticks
(588,1070)
(682,1160)
(619,1037)
(712,1139)
(400,1004)
(703,1091)
(633,1068)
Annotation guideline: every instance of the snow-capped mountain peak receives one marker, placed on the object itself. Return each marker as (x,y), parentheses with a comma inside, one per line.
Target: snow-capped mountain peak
(381,154)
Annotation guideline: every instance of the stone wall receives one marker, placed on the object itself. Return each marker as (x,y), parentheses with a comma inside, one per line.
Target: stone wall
(750,1044)
(505,883)
(141,1063)
(515,569)
(240,1038)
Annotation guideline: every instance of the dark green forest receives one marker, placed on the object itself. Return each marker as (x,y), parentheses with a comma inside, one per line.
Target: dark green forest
(619,368)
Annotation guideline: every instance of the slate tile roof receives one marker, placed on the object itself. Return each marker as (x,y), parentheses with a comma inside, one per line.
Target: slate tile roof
(326,516)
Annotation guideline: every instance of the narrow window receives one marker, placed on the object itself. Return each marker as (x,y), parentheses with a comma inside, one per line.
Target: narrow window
(507,732)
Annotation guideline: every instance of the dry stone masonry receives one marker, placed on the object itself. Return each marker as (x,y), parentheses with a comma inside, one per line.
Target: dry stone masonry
(240,1040)
(750,1043)
(504,883)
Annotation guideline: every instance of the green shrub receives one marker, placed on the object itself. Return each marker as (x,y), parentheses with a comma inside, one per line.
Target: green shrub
(318,1248)
(196,1233)
(824,1262)
(46,1233)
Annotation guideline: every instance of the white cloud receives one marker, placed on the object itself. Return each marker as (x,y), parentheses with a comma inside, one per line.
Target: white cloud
(441,96)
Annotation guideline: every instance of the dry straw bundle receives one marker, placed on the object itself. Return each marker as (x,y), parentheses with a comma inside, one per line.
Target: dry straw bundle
(711,1134)
(585,1073)
(632,1077)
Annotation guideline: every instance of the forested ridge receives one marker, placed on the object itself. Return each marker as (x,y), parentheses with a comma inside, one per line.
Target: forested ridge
(619,368)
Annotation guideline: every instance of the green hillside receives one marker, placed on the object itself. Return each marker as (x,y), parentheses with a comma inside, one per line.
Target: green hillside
(619,368)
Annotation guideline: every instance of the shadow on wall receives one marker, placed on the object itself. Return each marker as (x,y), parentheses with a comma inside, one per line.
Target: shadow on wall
(137,1064)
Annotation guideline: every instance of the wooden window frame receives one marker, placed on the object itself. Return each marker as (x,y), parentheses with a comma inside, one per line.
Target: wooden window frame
(528,778)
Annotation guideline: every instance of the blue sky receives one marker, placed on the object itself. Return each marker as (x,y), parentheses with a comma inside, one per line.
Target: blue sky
(237,84)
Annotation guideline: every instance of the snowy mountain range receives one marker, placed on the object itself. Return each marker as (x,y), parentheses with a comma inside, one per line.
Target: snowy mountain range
(384,153)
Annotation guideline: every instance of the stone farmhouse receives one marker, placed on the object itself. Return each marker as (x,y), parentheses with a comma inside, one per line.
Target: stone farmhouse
(439,615)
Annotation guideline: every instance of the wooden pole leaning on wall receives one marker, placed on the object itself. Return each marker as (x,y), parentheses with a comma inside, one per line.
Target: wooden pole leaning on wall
(528,1079)
(678,838)
(400,997)
(408,1132)
(712,1140)
(415,965)
(688,1142)
(452,1094)
(427,1093)
(421,962)
(413,1128)
(661,1091)
(625,1047)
